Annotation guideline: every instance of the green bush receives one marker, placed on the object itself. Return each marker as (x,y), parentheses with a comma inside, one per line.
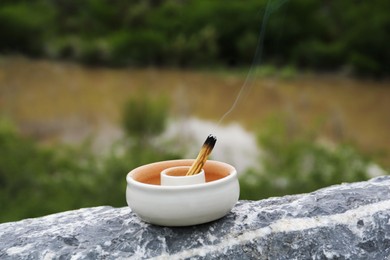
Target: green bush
(288,72)
(285,72)
(36,181)
(66,47)
(144,117)
(320,55)
(310,34)
(291,165)
(266,71)
(364,65)
(25,27)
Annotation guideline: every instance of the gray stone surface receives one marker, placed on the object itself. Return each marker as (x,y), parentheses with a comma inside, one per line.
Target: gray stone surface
(349,221)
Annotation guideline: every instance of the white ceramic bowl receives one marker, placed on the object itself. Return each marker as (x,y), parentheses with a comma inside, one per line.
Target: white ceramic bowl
(182,205)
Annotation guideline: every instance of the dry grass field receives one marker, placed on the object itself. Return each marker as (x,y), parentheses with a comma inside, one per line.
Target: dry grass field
(46,97)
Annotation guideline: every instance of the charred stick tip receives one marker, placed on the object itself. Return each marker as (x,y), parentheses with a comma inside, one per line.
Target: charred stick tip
(210,141)
(203,154)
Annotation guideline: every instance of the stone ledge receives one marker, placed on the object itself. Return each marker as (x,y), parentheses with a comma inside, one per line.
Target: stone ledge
(348,221)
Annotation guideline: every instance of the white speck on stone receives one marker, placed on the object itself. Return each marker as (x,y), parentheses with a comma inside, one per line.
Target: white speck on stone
(77,256)
(211,238)
(201,240)
(49,255)
(16,250)
(331,254)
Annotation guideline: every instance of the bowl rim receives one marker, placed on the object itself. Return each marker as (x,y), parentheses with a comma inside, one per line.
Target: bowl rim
(131,181)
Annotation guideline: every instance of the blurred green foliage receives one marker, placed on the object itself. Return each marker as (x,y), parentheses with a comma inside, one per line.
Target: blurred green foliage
(294,163)
(145,117)
(37,180)
(323,35)
(24,26)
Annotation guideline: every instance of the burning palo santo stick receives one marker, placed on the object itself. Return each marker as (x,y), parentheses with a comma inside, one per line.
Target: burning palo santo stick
(205,151)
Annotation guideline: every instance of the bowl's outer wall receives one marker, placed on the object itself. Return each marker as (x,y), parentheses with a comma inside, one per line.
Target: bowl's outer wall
(182,207)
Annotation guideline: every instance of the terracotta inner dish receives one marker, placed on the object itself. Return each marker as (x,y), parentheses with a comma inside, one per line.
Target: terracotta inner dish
(151,175)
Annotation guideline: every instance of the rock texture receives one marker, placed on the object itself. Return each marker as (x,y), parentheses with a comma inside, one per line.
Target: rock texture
(349,221)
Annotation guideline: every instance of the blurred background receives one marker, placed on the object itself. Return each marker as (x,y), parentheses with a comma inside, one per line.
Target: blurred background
(90,90)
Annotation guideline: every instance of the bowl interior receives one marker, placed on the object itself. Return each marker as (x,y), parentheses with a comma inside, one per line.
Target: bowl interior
(150,174)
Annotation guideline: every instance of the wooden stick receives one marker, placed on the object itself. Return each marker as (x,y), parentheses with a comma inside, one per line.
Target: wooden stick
(201,159)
